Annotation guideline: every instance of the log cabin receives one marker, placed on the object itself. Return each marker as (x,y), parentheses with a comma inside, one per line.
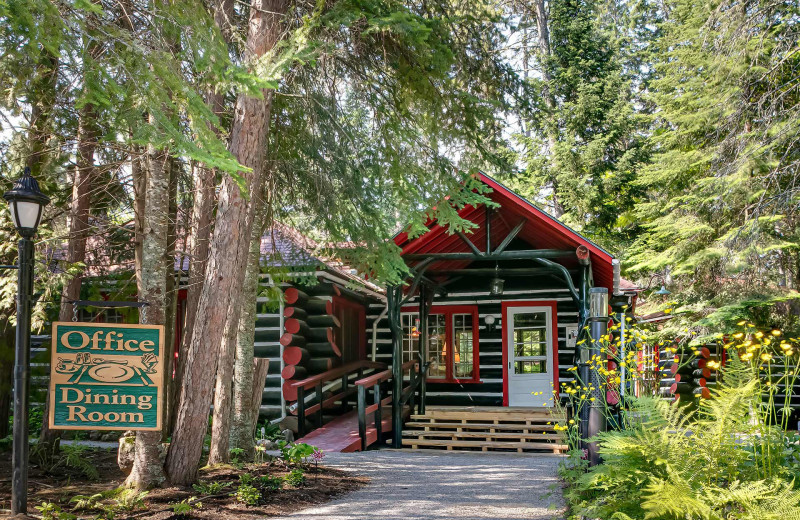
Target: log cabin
(468,353)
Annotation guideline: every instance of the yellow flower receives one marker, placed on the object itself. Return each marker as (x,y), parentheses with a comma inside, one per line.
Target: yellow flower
(776,332)
(572,421)
(766,356)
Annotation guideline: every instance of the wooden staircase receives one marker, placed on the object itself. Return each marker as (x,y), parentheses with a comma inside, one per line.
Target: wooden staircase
(485,429)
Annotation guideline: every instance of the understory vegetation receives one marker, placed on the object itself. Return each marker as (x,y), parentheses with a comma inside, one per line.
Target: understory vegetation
(726,457)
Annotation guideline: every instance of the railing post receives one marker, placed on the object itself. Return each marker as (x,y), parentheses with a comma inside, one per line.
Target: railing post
(301,412)
(421,379)
(345,381)
(362,416)
(318,389)
(379,412)
(393,299)
(412,381)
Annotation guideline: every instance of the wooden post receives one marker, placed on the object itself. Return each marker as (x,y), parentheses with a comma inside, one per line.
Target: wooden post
(394,296)
(423,343)
(319,401)
(345,381)
(301,412)
(379,412)
(362,416)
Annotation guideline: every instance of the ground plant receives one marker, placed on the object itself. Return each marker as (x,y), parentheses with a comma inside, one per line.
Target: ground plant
(722,458)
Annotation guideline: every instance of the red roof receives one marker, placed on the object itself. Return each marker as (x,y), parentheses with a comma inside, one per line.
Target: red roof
(541,231)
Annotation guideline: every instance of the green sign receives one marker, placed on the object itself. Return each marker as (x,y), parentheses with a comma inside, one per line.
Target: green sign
(106,376)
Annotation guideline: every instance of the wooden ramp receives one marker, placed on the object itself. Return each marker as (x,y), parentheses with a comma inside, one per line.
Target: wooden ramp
(341,434)
(484,429)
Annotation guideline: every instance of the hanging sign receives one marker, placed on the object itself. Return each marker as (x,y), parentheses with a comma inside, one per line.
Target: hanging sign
(106,376)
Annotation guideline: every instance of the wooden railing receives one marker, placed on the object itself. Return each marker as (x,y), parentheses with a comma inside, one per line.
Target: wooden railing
(378,401)
(316,383)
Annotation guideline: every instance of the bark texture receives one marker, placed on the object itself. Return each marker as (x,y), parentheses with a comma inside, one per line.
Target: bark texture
(544,53)
(148,470)
(78,234)
(217,313)
(242,422)
(205,181)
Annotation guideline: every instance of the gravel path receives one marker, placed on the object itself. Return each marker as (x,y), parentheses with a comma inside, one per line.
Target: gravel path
(445,485)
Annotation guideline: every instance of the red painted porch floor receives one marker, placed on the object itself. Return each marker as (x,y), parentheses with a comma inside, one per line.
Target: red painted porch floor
(341,434)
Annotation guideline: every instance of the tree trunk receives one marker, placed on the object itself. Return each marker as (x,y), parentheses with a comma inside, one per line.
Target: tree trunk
(78,233)
(148,468)
(205,181)
(549,99)
(242,422)
(220,296)
(171,285)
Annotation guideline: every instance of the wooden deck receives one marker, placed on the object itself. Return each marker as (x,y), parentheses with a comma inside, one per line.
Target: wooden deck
(341,434)
(484,429)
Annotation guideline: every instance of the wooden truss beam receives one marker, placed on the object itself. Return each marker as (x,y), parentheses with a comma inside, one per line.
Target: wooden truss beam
(503,255)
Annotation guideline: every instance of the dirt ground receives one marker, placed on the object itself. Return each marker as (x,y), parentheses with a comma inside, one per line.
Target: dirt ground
(63,482)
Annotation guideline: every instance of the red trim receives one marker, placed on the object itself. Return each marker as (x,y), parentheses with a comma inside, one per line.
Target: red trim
(448,311)
(554,331)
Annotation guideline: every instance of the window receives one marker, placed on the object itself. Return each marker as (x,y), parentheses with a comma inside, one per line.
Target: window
(452,342)
(530,343)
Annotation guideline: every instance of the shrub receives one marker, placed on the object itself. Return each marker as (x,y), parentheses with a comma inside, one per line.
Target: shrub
(296,453)
(51,511)
(247,494)
(296,477)
(270,483)
(184,507)
(210,488)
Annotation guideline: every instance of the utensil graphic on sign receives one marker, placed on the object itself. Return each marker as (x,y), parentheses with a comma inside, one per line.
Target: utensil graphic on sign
(103,370)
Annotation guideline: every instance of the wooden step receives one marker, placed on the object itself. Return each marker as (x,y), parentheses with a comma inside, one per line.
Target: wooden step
(481,435)
(486,445)
(487,417)
(479,426)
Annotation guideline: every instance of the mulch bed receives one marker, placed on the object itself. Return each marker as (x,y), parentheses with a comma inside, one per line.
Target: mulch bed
(61,484)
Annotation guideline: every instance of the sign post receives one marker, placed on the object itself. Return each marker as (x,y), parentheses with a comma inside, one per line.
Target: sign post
(106,376)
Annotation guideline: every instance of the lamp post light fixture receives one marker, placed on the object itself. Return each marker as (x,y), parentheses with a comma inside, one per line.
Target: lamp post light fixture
(25,202)
(663,291)
(598,327)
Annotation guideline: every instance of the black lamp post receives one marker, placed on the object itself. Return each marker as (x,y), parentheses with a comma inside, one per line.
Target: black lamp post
(26,202)
(598,327)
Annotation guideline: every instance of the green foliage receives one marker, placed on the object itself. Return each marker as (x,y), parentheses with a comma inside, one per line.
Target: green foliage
(270,483)
(186,506)
(248,494)
(130,499)
(51,511)
(726,460)
(296,453)
(210,488)
(296,477)
(72,456)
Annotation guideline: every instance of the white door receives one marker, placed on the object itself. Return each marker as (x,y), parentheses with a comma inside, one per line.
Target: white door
(529,347)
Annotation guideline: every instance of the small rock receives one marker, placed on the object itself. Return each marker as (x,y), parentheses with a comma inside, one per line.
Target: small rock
(108,437)
(94,435)
(288,435)
(267,444)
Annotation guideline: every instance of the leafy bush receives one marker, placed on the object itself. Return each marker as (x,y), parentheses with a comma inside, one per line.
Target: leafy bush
(247,494)
(51,511)
(246,479)
(296,453)
(130,499)
(184,507)
(296,477)
(270,483)
(210,488)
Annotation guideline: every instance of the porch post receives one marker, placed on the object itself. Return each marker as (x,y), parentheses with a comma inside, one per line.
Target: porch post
(423,344)
(393,300)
